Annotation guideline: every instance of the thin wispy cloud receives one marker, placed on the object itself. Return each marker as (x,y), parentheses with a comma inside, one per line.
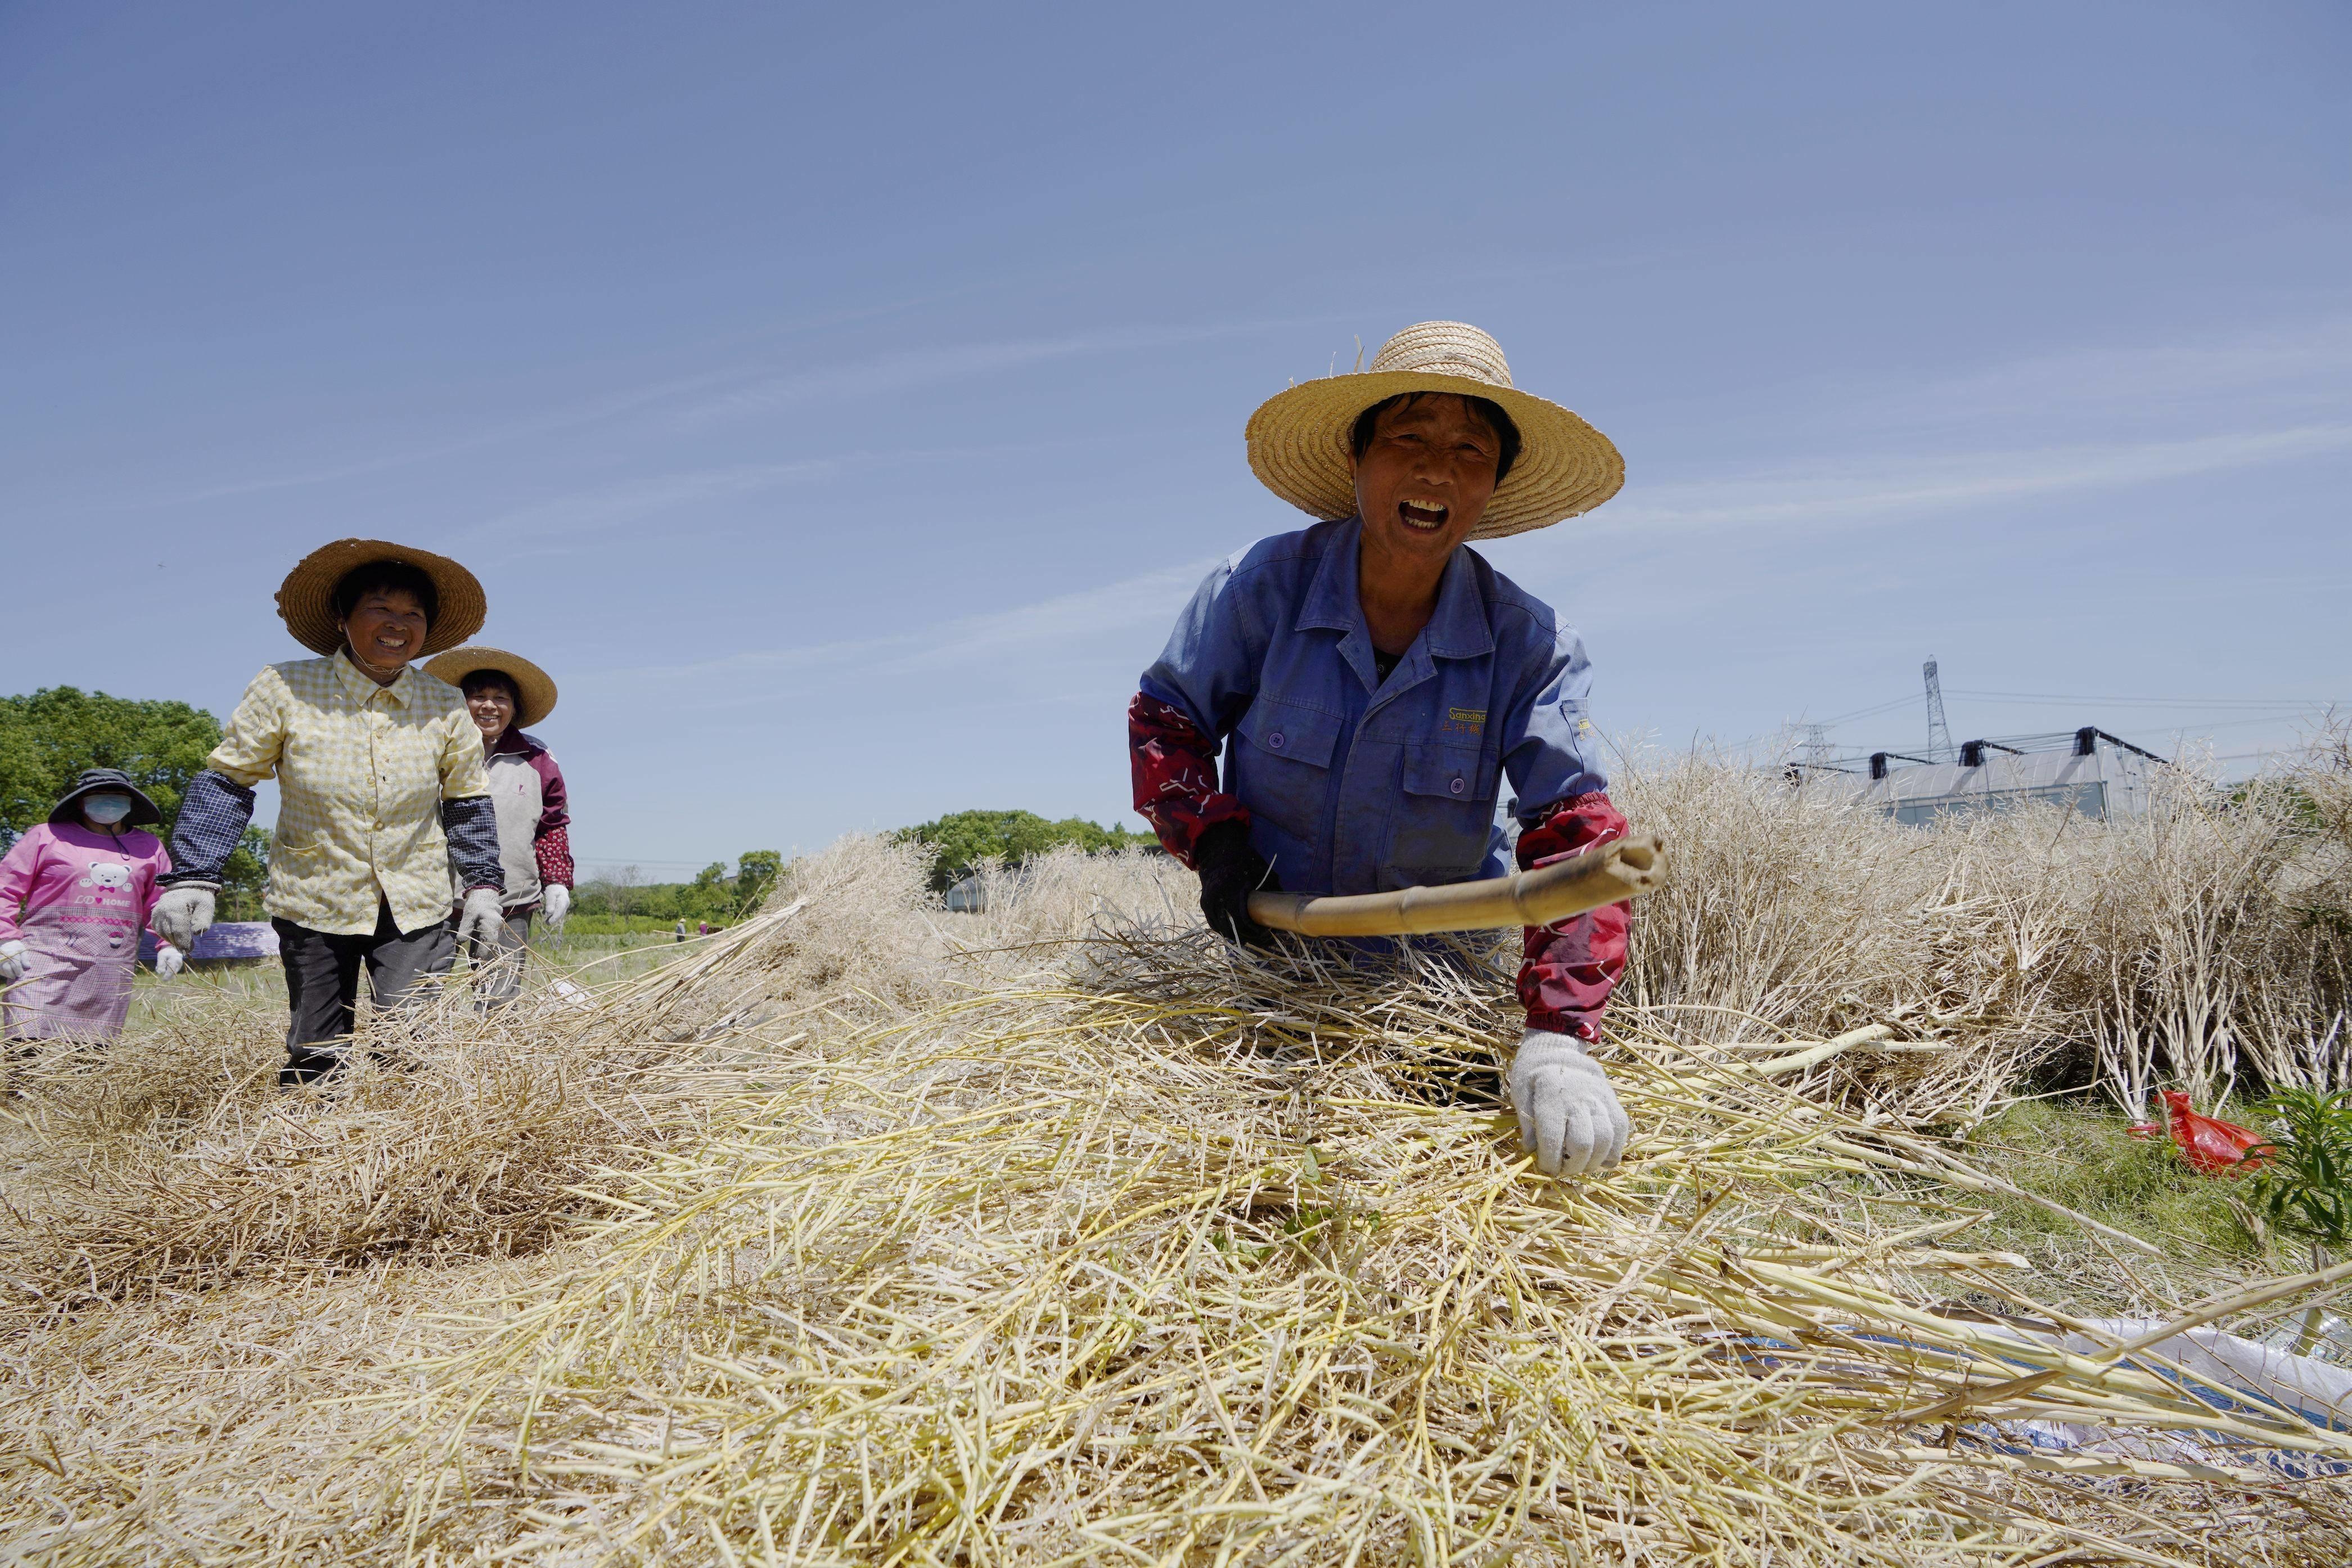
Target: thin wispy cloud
(621,505)
(1883,487)
(570,416)
(2303,356)
(1150,601)
(997,638)
(716,395)
(882,375)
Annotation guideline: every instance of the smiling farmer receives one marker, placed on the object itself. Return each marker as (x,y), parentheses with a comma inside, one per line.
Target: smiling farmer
(504,693)
(1371,682)
(381,789)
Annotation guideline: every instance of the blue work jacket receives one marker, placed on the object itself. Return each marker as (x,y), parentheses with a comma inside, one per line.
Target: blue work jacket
(1357,786)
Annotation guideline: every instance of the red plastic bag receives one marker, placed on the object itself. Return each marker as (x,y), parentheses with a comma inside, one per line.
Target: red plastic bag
(2211,1146)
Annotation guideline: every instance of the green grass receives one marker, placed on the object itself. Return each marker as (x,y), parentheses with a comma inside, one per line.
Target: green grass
(2082,1156)
(593,958)
(640,926)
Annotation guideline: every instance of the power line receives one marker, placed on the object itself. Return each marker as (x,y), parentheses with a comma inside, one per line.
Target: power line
(1873,710)
(2285,702)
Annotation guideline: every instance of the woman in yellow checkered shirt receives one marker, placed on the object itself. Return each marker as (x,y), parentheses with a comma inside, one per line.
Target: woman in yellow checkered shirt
(382,789)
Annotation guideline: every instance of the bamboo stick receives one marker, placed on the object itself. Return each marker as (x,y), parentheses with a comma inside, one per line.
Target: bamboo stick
(1605,874)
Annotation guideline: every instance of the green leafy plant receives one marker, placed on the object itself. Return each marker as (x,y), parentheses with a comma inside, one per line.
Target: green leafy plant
(2304,1185)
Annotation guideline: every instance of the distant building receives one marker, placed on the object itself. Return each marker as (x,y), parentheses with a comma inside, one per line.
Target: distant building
(967,897)
(2096,775)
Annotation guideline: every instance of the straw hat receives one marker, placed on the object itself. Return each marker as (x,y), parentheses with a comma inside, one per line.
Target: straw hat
(306,600)
(534,692)
(1299,438)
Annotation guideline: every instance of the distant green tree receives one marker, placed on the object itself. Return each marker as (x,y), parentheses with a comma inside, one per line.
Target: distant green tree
(714,895)
(243,877)
(48,737)
(756,871)
(963,839)
(710,896)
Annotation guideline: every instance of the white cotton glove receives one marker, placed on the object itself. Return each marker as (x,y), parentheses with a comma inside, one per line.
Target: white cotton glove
(182,912)
(1569,1116)
(555,905)
(168,960)
(12,962)
(479,918)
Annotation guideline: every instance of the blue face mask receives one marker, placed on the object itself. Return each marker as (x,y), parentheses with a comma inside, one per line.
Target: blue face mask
(106,810)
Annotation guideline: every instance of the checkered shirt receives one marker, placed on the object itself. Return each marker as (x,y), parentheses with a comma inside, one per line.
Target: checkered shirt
(361,772)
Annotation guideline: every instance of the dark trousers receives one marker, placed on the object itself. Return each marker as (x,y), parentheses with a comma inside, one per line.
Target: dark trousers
(499,960)
(323,981)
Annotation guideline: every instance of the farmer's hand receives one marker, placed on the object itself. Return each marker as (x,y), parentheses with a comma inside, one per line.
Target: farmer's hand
(12,962)
(1569,1116)
(479,918)
(556,905)
(168,960)
(185,909)
(1231,870)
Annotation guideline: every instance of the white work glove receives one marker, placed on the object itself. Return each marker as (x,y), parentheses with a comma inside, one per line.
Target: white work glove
(168,960)
(555,904)
(479,918)
(1569,1116)
(182,912)
(12,962)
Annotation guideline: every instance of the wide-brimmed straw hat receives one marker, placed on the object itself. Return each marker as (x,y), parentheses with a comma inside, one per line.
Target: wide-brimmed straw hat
(306,600)
(534,692)
(1299,438)
(101,781)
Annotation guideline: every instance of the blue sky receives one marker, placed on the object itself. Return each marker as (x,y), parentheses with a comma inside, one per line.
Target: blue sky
(840,401)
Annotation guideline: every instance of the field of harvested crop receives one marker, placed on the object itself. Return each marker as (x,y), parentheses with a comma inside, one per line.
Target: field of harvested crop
(864,1232)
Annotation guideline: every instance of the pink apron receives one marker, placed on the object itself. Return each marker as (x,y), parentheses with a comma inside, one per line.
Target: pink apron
(80,953)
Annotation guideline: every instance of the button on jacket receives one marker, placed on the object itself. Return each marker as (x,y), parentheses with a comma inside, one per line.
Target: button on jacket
(361,772)
(1357,786)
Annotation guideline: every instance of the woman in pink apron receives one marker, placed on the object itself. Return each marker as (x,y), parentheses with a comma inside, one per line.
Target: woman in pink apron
(75,892)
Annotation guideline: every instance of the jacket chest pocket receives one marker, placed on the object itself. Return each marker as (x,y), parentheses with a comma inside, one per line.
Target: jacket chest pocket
(1284,771)
(1445,814)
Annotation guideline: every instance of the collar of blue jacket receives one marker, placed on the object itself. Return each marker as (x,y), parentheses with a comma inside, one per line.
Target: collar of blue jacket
(1458,628)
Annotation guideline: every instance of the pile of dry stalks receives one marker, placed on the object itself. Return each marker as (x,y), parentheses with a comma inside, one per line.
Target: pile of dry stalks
(865,1234)
(2207,944)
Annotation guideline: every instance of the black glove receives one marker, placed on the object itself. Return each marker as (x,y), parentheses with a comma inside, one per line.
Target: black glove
(1231,870)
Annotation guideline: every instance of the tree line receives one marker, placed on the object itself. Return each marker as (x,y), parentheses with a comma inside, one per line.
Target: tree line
(716,894)
(962,840)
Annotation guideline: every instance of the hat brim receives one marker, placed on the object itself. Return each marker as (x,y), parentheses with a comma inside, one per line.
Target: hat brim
(144,811)
(534,689)
(306,600)
(1298,449)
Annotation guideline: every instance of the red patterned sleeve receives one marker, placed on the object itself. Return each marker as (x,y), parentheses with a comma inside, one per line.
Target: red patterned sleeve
(551,840)
(1175,776)
(1568,969)
(553,848)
